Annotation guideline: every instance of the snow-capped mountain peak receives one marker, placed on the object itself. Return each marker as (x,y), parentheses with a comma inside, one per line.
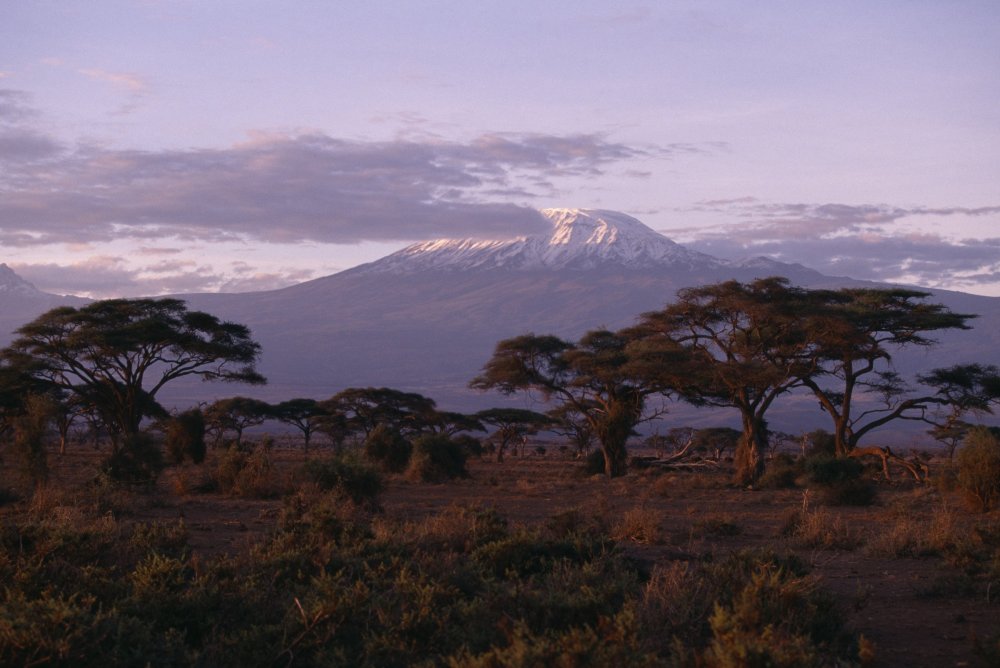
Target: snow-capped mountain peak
(12,284)
(580,239)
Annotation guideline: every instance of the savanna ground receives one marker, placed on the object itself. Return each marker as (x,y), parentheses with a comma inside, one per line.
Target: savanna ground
(915,574)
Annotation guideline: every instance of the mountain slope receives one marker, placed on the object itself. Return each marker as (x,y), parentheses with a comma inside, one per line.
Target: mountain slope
(21,302)
(427,317)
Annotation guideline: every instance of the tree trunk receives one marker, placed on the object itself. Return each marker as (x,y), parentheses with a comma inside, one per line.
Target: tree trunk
(615,459)
(750,450)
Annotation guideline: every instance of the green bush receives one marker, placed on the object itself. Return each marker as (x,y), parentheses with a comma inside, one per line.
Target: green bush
(387,449)
(246,474)
(979,466)
(437,458)
(820,442)
(335,585)
(348,477)
(781,473)
(137,460)
(30,430)
(184,437)
(472,446)
(839,480)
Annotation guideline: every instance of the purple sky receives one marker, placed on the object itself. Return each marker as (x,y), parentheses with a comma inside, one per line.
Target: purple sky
(171,146)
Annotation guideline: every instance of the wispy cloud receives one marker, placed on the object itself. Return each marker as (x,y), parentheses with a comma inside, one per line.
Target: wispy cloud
(874,241)
(127,80)
(134,86)
(103,276)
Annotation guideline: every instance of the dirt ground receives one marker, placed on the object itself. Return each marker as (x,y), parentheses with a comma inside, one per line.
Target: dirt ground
(917,611)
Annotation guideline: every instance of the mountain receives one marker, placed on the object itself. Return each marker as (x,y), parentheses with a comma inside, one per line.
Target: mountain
(21,302)
(427,317)
(580,240)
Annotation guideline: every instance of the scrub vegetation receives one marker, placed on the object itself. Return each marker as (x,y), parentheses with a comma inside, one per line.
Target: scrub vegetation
(377,530)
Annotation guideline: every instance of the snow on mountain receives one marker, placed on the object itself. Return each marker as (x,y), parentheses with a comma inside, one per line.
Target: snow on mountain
(12,285)
(580,239)
(21,302)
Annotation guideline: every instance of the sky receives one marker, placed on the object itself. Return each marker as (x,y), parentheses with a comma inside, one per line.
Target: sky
(152,146)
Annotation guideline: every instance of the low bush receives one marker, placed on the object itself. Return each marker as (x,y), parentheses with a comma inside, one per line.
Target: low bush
(137,460)
(639,525)
(839,481)
(437,458)
(347,476)
(753,608)
(246,474)
(979,467)
(472,446)
(386,448)
(184,437)
(593,463)
(781,473)
(336,585)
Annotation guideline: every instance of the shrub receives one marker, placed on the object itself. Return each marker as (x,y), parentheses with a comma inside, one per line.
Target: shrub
(29,437)
(593,463)
(839,480)
(820,442)
(781,473)
(436,458)
(348,477)
(137,460)
(472,446)
(246,474)
(775,620)
(979,467)
(184,437)
(386,448)
(639,525)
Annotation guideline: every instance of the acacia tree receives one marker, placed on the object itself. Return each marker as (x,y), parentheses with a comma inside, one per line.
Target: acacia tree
(747,345)
(118,354)
(367,407)
(513,425)
(570,423)
(450,423)
(236,414)
(857,334)
(304,414)
(602,377)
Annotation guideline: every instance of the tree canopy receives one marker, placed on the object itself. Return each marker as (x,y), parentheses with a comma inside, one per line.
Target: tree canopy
(364,408)
(602,377)
(859,334)
(747,344)
(117,354)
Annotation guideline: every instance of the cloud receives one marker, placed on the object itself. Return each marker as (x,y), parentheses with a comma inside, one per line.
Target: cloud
(306,187)
(111,276)
(19,142)
(130,82)
(872,241)
(15,106)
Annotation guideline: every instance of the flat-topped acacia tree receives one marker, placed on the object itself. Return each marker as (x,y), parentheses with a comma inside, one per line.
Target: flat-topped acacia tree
(602,378)
(858,334)
(117,354)
(747,344)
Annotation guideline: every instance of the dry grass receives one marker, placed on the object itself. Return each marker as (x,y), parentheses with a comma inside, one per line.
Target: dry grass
(640,525)
(820,528)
